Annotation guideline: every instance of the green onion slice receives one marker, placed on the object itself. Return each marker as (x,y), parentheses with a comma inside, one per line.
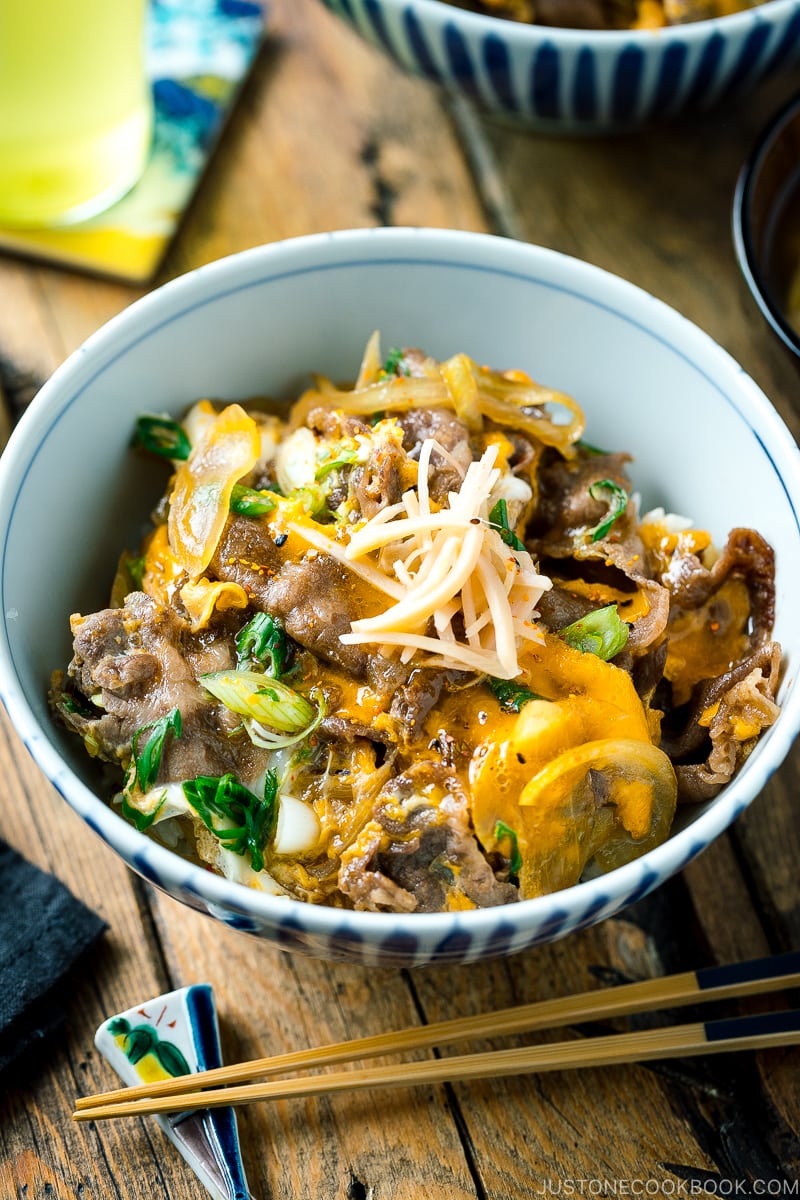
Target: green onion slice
(501,831)
(163,437)
(135,567)
(263,641)
(142,820)
(270,708)
(601,632)
(498,519)
(268,740)
(313,497)
(617,503)
(394,363)
(252,818)
(344,457)
(512,696)
(249,502)
(268,701)
(147,758)
(74,704)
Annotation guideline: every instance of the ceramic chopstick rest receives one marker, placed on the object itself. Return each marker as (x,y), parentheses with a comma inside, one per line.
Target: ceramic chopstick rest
(177,1034)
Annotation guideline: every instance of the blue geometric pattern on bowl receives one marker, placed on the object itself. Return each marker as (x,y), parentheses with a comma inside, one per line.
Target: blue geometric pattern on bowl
(177,1034)
(463,942)
(580,81)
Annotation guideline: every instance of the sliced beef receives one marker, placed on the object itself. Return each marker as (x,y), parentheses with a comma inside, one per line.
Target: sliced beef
(559,534)
(416,363)
(708,755)
(741,699)
(647,629)
(558,608)
(379,482)
(334,424)
(342,729)
(133,665)
(647,670)
(684,742)
(451,434)
(745,555)
(747,704)
(441,424)
(419,856)
(364,884)
(414,692)
(566,511)
(316,598)
(419,694)
(566,514)
(247,554)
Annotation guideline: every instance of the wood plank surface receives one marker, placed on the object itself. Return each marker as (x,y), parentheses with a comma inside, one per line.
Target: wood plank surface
(330,135)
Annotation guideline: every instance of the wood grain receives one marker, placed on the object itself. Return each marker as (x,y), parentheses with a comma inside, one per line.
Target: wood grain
(330,135)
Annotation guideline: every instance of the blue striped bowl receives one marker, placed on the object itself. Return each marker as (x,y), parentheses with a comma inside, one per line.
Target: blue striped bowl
(706,442)
(576,80)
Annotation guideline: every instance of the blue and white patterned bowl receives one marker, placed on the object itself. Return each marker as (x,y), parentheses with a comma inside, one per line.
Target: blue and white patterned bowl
(707,443)
(576,80)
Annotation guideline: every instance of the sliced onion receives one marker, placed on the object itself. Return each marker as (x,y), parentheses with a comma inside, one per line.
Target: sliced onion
(227,449)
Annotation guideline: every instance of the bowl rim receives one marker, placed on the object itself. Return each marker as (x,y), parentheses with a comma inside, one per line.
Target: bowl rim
(605,893)
(742,225)
(440,13)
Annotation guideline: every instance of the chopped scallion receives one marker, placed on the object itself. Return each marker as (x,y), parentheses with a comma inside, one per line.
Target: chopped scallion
(344,457)
(313,497)
(147,758)
(601,632)
(498,519)
(72,704)
(217,800)
(501,831)
(248,502)
(135,568)
(163,437)
(263,641)
(512,696)
(272,704)
(394,363)
(140,819)
(617,503)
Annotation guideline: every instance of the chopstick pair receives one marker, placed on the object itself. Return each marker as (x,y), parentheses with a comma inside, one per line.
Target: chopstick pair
(692,987)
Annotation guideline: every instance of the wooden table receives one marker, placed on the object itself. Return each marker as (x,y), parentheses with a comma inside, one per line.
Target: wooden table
(329,135)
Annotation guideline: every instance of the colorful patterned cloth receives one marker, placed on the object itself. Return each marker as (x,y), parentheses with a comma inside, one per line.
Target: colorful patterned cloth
(199,54)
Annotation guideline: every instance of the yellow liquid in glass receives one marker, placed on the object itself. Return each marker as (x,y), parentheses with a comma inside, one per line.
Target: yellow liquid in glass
(75,107)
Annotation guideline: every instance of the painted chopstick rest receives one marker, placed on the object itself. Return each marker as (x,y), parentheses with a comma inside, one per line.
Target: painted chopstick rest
(177,1034)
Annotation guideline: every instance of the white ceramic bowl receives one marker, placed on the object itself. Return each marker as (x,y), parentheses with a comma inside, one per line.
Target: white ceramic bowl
(706,440)
(578,80)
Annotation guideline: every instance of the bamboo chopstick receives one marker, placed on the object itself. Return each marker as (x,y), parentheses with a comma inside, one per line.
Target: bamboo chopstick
(710,983)
(711,1037)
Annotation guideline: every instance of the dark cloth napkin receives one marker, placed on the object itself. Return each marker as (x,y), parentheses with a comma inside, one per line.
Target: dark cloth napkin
(44,930)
